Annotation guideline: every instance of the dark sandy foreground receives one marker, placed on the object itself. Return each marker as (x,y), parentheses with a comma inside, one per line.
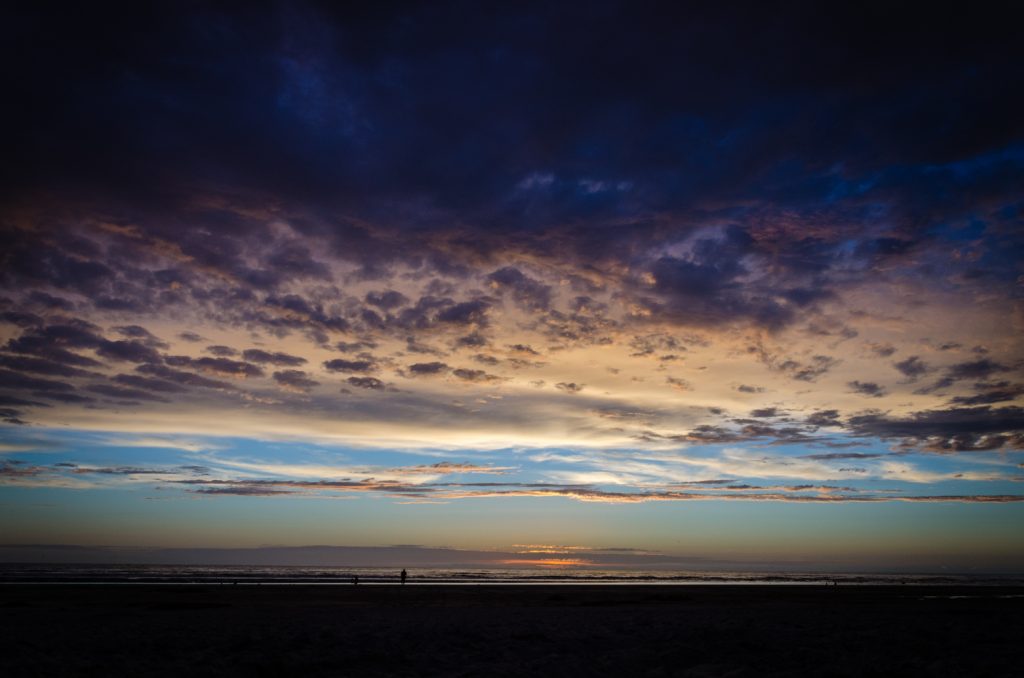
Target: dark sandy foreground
(110,630)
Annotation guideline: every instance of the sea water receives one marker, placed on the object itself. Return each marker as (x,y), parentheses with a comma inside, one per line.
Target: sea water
(341,575)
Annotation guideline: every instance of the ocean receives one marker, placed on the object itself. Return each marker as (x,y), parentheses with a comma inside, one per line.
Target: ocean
(346,576)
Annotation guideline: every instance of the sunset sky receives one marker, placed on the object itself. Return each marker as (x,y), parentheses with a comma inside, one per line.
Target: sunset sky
(546,281)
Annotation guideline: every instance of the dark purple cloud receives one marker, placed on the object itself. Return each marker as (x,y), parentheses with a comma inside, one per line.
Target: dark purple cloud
(141,334)
(15,380)
(127,351)
(366,382)
(295,379)
(427,369)
(123,392)
(148,383)
(474,375)
(341,365)
(219,366)
(465,313)
(912,368)
(353,346)
(990,393)
(255,355)
(982,368)
(41,366)
(531,294)
(823,418)
(182,378)
(386,301)
(958,429)
(21,318)
(866,388)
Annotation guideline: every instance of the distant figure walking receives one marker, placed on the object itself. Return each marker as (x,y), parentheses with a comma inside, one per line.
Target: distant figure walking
(355,580)
(404,576)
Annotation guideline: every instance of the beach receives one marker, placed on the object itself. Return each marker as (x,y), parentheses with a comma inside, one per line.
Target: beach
(473,630)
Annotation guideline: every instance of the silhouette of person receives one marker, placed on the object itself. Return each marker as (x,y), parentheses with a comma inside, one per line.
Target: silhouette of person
(404,575)
(355,580)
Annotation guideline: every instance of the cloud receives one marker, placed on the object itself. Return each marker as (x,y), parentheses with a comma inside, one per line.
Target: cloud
(41,366)
(183,378)
(54,341)
(818,365)
(127,351)
(805,369)
(10,400)
(474,375)
(255,355)
(882,350)
(427,369)
(465,313)
(354,346)
(973,369)
(961,429)
(570,387)
(448,467)
(990,393)
(386,301)
(21,319)
(522,349)
(242,491)
(976,369)
(295,312)
(526,291)
(12,416)
(366,382)
(831,456)
(295,380)
(341,365)
(19,381)
(749,430)
(142,334)
(119,470)
(122,392)
(678,384)
(150,384)
(701,288)
(912,368)
(223,367)
(15,469)
(866,388)
(275,487)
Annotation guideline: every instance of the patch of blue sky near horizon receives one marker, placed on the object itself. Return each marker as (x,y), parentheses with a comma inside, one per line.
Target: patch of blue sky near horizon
(138,501)
(270,469)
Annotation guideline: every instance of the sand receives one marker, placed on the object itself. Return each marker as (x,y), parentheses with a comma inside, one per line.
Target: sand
(112,630)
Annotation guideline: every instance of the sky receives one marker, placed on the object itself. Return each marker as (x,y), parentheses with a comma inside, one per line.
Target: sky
(592,284)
